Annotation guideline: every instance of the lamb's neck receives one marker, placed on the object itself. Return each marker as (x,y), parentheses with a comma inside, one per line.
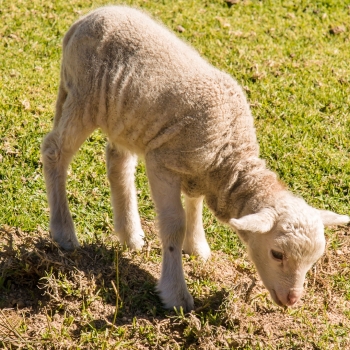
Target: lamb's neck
(246,189)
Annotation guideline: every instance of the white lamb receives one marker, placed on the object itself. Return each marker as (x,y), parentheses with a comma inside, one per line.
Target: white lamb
(154,96)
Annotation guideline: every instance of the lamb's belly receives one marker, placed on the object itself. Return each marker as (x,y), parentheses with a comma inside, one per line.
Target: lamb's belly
(126,133)
(133,147)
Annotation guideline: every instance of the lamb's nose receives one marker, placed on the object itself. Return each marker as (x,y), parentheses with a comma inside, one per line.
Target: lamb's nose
(294,295)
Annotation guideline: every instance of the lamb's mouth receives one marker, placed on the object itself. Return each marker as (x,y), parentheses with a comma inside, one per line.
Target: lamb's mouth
(275,298)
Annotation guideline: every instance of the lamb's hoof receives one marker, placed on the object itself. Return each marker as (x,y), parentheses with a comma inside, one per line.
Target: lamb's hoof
(202,250)
(66,244)
(176,298)
(134,241)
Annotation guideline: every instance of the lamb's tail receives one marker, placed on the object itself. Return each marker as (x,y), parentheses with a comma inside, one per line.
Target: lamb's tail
(61,98)
(71,32)
(62,91)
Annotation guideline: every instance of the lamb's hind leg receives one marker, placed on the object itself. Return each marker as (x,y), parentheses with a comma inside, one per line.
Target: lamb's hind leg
(58,149)
(166,193)
(195,242)
(120,169)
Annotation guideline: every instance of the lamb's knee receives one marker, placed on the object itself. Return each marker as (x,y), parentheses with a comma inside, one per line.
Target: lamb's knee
(50,149)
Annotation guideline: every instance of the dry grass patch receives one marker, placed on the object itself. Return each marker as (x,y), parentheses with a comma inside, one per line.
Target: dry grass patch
(66,300)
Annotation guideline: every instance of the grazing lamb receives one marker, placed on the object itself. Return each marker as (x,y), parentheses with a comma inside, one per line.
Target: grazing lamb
(154,96)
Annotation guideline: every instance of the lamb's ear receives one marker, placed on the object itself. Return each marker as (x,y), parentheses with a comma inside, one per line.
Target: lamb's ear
(329,218)
(260,222)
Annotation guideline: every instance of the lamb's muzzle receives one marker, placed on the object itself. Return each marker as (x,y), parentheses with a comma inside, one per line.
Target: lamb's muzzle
(154,96)
(294,296)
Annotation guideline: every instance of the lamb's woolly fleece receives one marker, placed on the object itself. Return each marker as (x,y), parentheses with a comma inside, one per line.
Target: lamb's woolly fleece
(149,91)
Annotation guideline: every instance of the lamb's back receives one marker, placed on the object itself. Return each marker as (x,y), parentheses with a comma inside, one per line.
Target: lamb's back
(145,87)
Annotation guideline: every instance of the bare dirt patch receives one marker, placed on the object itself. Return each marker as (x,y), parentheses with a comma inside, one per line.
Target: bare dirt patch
(65,300)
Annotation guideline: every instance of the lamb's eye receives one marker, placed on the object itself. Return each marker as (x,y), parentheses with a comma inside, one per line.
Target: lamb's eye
(277,255)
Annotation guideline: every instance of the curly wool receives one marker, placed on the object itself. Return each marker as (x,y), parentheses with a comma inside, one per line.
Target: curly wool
(148,90)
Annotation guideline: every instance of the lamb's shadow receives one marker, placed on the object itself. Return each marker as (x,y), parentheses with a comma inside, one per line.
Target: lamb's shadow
(27,263)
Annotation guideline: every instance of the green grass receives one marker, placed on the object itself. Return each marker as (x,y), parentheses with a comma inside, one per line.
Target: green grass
(294,70)
(294,66)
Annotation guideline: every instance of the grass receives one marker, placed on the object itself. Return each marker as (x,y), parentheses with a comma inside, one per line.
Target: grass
(292,59)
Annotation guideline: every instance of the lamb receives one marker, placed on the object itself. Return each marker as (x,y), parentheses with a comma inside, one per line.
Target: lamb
(155,97)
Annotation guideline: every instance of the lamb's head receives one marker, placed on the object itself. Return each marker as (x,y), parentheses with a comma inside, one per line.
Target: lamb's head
(284,244)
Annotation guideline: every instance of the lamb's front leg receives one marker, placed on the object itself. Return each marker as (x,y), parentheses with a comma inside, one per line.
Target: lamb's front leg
(166,194)
(120,169)
(195,242)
